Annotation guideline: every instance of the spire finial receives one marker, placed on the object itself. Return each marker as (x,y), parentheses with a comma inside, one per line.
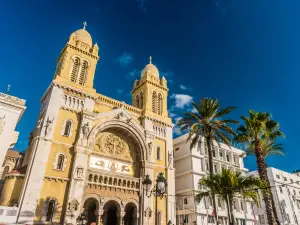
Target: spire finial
(84,25)
(8,89)
(150,59)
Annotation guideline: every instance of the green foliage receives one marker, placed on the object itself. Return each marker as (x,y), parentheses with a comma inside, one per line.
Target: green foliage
(269,147)
(229,184)
(207,121)
(259,125)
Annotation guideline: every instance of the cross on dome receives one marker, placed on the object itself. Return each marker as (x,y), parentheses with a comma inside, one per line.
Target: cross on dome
(84,25)
(150,58)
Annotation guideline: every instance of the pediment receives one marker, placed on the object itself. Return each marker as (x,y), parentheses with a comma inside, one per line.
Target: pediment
(121,115)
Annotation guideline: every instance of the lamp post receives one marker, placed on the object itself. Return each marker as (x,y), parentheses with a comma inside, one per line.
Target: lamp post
(158,191)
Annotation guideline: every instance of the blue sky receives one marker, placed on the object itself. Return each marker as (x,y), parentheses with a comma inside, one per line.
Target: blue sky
(245,53)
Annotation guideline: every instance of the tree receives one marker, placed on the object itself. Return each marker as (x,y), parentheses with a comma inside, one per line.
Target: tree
(228,185)
(269,147)
(207,122)
(258,127)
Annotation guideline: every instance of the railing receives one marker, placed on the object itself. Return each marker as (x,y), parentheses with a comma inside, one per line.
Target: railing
(12,99)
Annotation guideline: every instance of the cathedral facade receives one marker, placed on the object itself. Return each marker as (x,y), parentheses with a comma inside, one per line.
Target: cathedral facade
(90,153)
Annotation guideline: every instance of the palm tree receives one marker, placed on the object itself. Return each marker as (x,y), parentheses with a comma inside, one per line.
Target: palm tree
(257,127)
(228,185)
(207,122)
(269,147)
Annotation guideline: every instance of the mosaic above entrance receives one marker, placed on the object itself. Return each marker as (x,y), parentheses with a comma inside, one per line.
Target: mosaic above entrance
(111,165)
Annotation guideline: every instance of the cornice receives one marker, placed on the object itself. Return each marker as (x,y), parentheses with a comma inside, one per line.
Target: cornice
(62,179)
(82,51)
(75,90)
(157,121)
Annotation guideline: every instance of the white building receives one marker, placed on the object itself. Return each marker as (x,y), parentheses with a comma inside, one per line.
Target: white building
(286,193)
(190,166)
(11,111)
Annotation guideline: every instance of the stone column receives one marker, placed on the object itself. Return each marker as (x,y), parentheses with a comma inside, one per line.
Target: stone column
(79,170)
(99,217)
(41,147)
(136,218)
(120,216)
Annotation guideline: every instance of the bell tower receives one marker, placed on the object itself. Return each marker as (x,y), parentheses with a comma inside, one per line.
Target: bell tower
(150,92)
(77,61)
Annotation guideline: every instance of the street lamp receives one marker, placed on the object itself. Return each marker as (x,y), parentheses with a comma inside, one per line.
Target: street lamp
(82,218)
(158,191)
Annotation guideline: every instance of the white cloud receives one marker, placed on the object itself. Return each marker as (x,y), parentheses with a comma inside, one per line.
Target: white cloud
(166,74)
(182,100)
(172,114)
(134,73)
(184,88)
(177,119)
(177,131)
(194,110)
(120,91)
(125,59)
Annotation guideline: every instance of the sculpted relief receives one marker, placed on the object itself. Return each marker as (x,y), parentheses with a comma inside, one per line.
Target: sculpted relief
(116,153)
(113,145)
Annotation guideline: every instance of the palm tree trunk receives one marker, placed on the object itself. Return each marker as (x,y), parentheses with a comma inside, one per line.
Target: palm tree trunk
(229,211)
(273,202)
(211,171)
(262,171)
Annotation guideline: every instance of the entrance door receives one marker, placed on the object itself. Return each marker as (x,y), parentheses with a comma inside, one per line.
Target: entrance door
(111,213)
(91,207)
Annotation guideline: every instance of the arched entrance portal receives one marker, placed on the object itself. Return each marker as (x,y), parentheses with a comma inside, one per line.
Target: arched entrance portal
(111,213)
(91,206)
(130,210)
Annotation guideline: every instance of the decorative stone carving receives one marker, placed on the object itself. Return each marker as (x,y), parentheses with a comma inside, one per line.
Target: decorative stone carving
(113,146)
(2,123)
(150,145)
(48,125)
(129,120)
(120,115)
(148,212)
(85,130)
(78,173)
(74,205)
(170,158)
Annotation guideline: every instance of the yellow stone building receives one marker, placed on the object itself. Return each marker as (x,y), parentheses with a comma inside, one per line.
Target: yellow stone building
(91,153)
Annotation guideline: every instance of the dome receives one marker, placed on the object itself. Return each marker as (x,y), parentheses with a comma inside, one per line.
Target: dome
(84,36)
(151,69)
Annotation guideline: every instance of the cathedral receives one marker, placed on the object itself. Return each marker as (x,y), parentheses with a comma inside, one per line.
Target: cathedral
(89,154)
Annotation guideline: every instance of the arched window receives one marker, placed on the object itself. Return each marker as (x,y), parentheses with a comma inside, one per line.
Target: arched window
(137,101)
(60,162)
(158,156)
(50,210)
(83,73)
(154,102)
(159,104)
(5,171)
(142,100)
(75,69)
(67,130)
